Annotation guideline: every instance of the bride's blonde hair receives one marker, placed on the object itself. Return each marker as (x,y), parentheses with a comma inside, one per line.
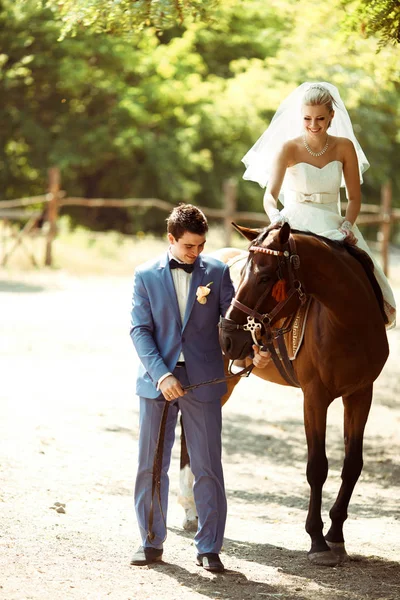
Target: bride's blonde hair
(318,95)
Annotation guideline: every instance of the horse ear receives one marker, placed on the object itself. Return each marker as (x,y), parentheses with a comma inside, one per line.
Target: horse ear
(248,233)
(284,233)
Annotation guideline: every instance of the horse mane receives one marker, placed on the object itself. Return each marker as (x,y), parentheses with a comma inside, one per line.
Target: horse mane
(361,256)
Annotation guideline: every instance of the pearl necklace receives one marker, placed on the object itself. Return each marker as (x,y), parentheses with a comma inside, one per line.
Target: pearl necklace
(324,149)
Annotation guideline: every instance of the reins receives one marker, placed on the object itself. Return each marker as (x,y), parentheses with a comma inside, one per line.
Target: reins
(241,373)
(158,454)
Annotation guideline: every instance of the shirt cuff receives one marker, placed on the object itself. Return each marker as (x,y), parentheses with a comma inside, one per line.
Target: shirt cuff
(162,379)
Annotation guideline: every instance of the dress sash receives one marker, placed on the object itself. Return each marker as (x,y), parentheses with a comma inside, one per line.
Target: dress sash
(316,198)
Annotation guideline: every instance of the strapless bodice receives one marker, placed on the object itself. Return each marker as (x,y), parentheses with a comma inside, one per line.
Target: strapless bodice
(311,203)
(307,179)
(311,198)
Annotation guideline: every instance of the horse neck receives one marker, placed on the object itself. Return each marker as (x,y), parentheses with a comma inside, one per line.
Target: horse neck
(328,278)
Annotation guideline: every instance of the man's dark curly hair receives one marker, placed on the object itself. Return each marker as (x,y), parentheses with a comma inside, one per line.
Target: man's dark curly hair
(186,217)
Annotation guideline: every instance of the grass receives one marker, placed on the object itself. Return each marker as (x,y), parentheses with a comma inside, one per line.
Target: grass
(82,252)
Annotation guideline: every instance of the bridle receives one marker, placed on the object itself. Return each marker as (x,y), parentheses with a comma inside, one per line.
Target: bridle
(260,324)
(257,321)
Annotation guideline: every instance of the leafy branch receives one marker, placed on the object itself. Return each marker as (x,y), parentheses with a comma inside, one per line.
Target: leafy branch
(124,16)
(380,18)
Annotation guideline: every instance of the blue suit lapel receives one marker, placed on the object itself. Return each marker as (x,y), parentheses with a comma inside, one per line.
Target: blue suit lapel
(168,288)
(197,278)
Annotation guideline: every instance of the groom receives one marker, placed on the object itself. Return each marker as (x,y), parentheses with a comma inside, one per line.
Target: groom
(175,334)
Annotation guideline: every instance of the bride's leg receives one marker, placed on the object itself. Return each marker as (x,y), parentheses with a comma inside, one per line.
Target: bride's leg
(388,297)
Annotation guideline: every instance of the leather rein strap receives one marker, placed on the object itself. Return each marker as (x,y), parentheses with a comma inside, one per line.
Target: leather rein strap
(241,373)
(159,451)
(156,479)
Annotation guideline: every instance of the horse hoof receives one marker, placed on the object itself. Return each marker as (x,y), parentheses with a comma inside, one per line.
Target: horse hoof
(190,524)
(339,550)
(324,559)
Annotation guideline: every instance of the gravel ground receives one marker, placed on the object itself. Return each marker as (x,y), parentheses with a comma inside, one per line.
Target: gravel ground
(68,436)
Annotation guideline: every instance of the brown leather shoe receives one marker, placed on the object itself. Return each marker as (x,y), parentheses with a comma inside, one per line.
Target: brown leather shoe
(146,556)
(210,562)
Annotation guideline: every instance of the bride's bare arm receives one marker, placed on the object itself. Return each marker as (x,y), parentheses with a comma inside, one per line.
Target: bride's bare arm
(278,171)
(352,179)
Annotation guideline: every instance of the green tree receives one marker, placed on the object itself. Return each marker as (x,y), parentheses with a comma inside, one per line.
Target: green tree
(380,18)
(145,117)
(126,16)
(170,113)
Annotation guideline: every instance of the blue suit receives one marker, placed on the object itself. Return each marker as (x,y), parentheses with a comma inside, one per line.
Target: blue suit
(159,337)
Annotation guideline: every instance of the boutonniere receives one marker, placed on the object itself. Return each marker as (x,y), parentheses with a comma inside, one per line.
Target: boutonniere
(202,293)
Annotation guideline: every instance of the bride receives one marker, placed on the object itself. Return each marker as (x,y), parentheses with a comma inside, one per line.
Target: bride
(307,153)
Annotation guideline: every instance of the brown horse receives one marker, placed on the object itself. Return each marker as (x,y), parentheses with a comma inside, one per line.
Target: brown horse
(344,349)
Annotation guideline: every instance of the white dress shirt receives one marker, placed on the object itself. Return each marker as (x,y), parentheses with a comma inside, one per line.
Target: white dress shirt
(182,284)
(181,281)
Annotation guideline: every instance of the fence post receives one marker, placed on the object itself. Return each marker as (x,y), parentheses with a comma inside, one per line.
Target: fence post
(52,211)
(229,198)
(386,203)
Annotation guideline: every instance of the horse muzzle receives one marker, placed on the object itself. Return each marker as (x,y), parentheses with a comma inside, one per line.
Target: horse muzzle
(235,342)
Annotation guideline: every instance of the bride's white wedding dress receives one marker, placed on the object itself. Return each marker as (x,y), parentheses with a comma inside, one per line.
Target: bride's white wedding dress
(311,203)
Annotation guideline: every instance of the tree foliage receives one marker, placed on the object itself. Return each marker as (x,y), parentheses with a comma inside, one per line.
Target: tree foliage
(126,16)
(170,113)
(379,18)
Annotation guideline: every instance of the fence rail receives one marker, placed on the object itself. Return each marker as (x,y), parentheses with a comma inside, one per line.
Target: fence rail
(24,201)
(371,214)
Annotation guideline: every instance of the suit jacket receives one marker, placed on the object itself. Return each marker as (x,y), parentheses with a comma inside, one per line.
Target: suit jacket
(159,335)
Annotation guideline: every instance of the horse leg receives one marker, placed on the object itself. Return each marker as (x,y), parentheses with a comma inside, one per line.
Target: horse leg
(186,479)
(356,410)
(315,410)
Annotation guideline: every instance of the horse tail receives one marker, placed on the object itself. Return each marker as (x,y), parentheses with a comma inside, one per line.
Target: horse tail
(368,266)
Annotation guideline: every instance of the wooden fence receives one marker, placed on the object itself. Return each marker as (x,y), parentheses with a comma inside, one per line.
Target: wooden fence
(15,210)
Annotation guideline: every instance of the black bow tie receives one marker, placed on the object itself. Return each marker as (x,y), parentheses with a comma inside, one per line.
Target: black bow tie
(174,264)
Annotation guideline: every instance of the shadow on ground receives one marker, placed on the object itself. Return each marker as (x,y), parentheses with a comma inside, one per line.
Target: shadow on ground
(360,578)
(283,444)
(19,287)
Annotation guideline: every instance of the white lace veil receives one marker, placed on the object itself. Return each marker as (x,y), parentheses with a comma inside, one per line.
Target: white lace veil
(287,124)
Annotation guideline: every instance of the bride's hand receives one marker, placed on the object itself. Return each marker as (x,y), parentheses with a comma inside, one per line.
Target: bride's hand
(277,218)
(349,236)
(346,229)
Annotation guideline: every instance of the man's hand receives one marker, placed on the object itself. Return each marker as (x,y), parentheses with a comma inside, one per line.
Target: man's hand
(171,388)
(261,359)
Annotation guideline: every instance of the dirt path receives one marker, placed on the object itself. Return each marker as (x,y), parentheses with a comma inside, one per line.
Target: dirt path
(68,434)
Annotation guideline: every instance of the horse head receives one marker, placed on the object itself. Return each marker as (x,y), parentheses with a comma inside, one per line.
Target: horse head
(269,290)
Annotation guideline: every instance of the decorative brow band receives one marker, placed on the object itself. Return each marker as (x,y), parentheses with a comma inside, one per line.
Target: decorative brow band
(268,251)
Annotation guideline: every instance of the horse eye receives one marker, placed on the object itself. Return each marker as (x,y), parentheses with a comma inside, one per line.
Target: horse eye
(266,274)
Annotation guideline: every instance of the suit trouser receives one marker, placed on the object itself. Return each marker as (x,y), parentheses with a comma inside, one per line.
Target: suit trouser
(202,422)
